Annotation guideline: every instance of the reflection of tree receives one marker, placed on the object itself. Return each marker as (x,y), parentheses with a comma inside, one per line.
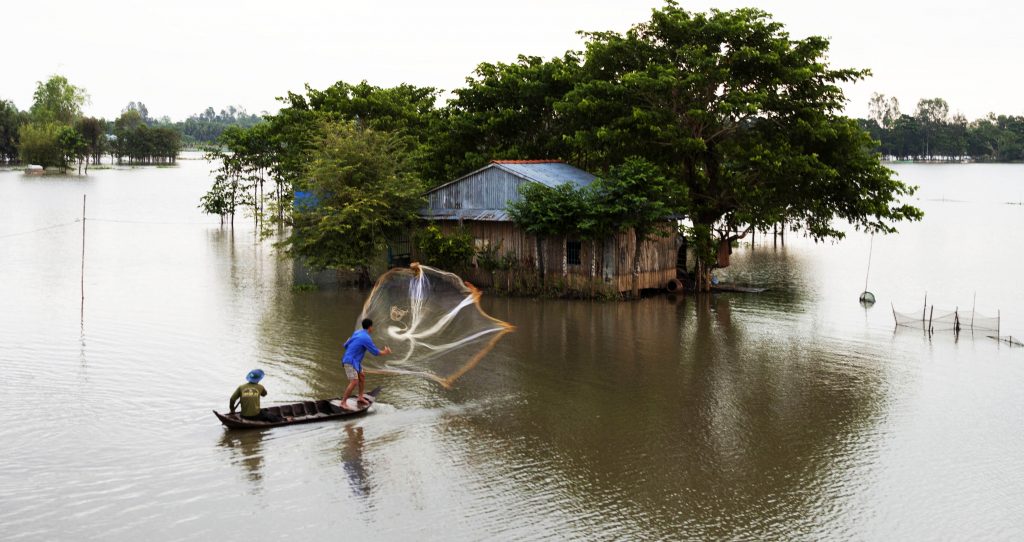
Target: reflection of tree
(246,449)
(300,333)
(352,461)
(780,269)
(734,424)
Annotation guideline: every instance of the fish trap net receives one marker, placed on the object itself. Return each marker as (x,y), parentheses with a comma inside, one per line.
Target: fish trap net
(947,320)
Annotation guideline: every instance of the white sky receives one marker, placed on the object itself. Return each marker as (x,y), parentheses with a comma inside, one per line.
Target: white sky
(180,57)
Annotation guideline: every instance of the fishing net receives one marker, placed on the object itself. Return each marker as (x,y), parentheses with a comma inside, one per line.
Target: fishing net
(433,322)
(947,320)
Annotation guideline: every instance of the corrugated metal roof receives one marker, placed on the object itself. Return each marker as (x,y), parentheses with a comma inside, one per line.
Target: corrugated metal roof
(483,215)
(484,193)
(547,172)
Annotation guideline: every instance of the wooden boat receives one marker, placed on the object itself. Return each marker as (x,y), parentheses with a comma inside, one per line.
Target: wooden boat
(304,412)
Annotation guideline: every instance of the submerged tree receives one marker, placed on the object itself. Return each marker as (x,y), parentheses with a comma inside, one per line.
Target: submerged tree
(742,119)
(57,100)
(365,192)
(40,144)
(11,120)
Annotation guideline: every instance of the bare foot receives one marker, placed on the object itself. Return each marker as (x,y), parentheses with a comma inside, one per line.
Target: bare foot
(363,402)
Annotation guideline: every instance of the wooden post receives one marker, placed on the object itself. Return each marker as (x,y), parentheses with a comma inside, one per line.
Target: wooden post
(82,279)
(974,307)
(930,315)
(924,311)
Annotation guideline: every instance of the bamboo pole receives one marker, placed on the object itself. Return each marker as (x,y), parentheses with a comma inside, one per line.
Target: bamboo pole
(930,315)
(924,311)
(974,307)
(82,277)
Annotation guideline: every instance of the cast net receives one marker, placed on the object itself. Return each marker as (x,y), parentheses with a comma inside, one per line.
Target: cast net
(433,322)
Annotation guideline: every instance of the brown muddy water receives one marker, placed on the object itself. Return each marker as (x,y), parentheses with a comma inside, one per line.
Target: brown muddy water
(791,414)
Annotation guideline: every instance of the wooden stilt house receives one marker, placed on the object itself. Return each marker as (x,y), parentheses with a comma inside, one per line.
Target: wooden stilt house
(478,202)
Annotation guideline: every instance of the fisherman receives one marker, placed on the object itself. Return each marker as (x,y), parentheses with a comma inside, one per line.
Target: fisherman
(355,348)
(248,395)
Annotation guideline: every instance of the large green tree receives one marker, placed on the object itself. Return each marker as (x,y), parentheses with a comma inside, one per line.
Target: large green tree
(40,144)
(505,111)
(11,121)
(94,133)
(364,191)
(57,100)
(741,117)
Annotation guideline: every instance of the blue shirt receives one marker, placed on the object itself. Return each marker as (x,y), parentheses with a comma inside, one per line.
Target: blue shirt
(356,347)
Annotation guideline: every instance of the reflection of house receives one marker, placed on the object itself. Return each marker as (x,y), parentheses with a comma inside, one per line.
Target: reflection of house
(479,202)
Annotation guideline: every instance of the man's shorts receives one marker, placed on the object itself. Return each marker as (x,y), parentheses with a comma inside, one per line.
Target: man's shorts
(350,372)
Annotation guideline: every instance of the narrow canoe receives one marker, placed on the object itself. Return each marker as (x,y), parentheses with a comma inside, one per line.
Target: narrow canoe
(304,412)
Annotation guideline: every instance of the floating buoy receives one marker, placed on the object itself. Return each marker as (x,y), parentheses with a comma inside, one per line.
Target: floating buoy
(674,286)
(867,298)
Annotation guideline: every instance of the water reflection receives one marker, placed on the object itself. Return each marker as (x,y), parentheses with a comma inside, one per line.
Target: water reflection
(352,461)
(245,448)
(738,413)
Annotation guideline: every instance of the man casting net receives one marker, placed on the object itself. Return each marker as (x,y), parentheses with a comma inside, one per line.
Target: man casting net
(432,321)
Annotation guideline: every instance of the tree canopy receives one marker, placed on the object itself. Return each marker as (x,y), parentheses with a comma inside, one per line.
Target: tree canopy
(365,193)
(57,100)
(720,117)
(743,119)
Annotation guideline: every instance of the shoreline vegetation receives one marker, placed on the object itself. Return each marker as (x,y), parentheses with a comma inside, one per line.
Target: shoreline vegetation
(55,134)
(934,134)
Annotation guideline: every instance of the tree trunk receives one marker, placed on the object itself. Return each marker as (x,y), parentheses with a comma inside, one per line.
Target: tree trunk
(704,255)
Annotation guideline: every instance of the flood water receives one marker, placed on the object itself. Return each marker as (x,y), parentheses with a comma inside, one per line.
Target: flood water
(791,414)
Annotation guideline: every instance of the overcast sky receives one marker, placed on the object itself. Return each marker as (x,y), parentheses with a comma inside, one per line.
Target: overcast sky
(180,57)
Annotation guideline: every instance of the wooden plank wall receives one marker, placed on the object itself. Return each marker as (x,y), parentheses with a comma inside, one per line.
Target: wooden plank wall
(657,257)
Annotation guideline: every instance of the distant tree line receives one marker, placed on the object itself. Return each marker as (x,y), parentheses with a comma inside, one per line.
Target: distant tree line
(54,133)
(931,133)
(135,142)
(207,127)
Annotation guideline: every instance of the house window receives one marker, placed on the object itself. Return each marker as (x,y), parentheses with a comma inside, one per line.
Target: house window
(573,250)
